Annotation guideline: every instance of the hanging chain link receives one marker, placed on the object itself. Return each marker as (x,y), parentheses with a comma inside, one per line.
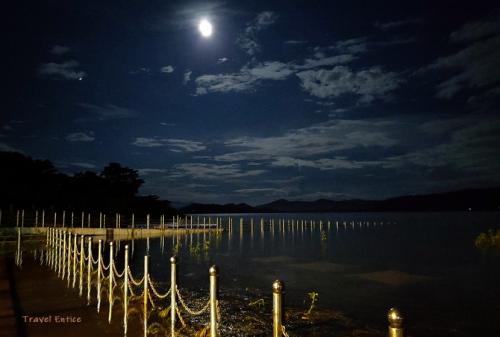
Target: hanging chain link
(155,292)
(191,311)
(180,317)
(132,280)
(103,265)
(119,275)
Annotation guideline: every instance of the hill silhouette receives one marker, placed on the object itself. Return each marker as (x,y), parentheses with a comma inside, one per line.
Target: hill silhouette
(463,200)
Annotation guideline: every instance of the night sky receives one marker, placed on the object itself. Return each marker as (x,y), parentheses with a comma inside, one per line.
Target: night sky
(286,99)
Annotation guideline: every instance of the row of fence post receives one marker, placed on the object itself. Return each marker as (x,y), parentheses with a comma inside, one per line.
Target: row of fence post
(62,254)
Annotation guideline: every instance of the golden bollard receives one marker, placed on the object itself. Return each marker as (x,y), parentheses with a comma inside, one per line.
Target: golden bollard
(277,308)
(214,273)
(395,323)
(173,286)
(82,258)
(110,285)
(89,269)
(145,295)
(99,266)
(125,292)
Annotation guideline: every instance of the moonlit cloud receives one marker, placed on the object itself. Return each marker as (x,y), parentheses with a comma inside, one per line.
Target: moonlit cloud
(80,137)
(66,70)
(248,40)
(59,50)
(369,84)
(205,171)
(175,145)
(167,69)
(106,112)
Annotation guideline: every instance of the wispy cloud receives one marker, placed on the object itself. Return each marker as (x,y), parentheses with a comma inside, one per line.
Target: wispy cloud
(149,171)
(206,171)
(325,164)
(106,112)
(84,165)
(66,70)
(80,137)
(369,84)
(249,77)
(397,24)
(319,139)
(8,148)
(167,69)
(476,30)
(175,145)
(473,67)
(187,77)
(59,50)
(295,42)
(222,60)
(248,40)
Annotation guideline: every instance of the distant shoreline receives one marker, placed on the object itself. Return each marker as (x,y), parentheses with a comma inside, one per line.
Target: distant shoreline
(470,200)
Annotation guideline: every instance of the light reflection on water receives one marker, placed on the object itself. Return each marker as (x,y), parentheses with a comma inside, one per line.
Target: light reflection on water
(362,264)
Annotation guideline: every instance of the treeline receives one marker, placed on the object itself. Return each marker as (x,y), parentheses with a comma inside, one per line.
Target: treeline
(35,184)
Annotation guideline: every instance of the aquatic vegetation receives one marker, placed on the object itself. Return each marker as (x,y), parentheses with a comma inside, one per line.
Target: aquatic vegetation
(195,249)
(259,303)
(488,240)
(313,296)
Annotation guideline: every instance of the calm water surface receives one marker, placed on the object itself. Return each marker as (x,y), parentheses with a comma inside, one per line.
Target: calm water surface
(423,263)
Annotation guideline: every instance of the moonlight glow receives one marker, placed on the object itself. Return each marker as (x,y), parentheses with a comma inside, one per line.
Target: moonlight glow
(205,28)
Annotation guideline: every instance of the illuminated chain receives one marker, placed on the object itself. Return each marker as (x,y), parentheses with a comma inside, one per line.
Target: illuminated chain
(180,317)
(103,265)
(155,292)
(119,275)
(190,311)
(132,280)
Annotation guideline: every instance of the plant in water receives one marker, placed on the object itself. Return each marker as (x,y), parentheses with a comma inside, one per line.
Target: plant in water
(176,248)
(259,303)
(194,250)
(313,296)
(491,239)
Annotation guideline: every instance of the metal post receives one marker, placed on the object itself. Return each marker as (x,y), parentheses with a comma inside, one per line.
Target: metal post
(22,218)
(17,218)
(89,268)
(395,323)
(72,219)
(125,291)
(36,218)
(99,264)
(147,221)
(64,218)
(277,308)
(63,256)
(43,218)
(82,258)
(145,295)
(69,257)
(110,289)
(173,287)
(133,218)
(74,259)
(213,274)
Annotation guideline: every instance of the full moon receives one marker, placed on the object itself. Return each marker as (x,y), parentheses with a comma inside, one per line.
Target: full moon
(205,28)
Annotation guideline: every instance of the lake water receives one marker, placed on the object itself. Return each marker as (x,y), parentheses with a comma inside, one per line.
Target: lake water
(425,264)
